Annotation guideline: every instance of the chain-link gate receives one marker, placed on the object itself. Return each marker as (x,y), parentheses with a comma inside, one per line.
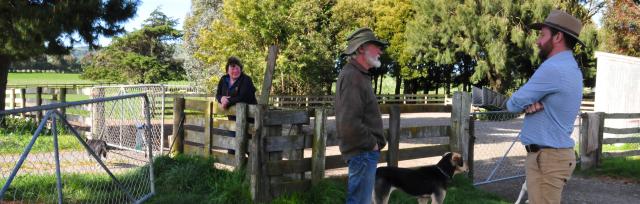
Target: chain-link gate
(157,95)
(45,157)
(498,154)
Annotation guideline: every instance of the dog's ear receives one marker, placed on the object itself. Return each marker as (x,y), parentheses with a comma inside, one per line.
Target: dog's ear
(457,159)
(446,154)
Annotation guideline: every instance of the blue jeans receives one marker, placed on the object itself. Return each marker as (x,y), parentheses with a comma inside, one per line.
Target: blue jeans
(362,175)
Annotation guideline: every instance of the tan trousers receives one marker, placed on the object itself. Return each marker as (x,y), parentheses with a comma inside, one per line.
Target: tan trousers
(548,170)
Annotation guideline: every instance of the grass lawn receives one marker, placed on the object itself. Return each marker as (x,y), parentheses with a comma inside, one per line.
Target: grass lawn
(46,78)
(618,167)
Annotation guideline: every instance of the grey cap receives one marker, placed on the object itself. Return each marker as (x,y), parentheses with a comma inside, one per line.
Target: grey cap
(362,36)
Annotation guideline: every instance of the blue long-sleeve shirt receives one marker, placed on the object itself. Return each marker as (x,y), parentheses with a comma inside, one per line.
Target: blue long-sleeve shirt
(557,84)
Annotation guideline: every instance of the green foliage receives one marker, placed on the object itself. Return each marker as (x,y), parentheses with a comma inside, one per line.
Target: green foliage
(143,56)
(621,33)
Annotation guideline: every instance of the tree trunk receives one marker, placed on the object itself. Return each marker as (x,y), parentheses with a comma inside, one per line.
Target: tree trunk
(398,83)
(5,62)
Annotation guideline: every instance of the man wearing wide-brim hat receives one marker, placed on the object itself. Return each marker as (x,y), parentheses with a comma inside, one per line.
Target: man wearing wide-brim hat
(358,118)
(551,100)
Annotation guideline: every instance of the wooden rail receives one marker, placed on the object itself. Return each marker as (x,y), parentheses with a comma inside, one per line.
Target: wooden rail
(592,137)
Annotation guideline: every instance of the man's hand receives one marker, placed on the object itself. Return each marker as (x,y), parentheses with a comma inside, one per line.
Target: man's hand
(535,107)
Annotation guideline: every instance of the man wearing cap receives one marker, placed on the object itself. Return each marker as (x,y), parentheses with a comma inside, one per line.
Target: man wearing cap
(358,118)
(551,100)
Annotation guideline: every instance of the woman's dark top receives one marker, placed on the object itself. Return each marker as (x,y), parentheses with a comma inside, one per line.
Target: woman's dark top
(242,90)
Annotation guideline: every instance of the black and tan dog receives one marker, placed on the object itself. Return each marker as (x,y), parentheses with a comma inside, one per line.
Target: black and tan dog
(424,182)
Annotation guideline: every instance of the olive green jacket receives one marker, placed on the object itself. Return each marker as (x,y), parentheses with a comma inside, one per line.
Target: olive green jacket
(358,118)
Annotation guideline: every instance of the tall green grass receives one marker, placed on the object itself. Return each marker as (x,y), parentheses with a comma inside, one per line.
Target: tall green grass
(78,188)
(618,167)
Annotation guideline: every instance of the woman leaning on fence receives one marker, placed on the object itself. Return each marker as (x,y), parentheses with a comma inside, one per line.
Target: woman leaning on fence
(235,86)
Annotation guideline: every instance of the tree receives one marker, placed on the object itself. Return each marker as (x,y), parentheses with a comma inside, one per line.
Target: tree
(200,74)
(622,27)
(142,56)
(31,28)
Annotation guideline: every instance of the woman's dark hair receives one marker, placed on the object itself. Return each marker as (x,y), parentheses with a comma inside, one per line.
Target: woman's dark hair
(233,60)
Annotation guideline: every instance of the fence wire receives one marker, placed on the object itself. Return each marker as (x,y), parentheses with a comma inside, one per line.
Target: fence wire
(34,144)
(161,107)
(498,154)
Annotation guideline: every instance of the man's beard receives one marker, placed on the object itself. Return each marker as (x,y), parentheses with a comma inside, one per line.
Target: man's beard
(372,60)
(545,49)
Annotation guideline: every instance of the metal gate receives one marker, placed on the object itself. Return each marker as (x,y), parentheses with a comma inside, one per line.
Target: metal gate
(498,154)
(157,94)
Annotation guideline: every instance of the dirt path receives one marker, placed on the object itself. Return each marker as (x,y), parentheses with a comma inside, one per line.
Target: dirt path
(579,189)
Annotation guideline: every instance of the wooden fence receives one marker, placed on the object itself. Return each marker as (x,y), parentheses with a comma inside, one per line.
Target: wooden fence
(276,142)
(592,137)
(327,100)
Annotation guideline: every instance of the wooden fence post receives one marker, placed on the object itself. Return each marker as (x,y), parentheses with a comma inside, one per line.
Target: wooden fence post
(208,121)
(12,98)
(39,103)
(23,97)
(63,98)
(460,112)
(590,139)
(470,146)
(319,146)
(257,157)
(600,116)
(394,136)
(242,125)
(177,141)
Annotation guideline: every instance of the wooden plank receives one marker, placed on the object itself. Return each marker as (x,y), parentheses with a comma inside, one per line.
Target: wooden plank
(319,146)
(223,142)
(259,182)
(196,128)
(282,143)
(224,158)
(288,187)
(280,117)
(423,152)
(621,154)
(276,168)
(194,136)
(193,144)
(224,124)
(416,108)
(196,105)
(622,130)
(425,131)
(193,148)
(621,115)
(621,140)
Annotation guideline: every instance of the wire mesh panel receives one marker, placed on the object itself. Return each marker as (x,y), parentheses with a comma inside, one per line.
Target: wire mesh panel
(498,153)
(46,157)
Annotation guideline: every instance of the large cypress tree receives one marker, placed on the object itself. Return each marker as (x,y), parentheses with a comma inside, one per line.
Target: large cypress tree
(35,27)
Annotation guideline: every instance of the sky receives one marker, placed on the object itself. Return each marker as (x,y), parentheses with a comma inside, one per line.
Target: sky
(176,9)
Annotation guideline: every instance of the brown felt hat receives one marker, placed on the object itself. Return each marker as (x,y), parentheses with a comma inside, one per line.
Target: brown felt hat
(563,22)
(362,36)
